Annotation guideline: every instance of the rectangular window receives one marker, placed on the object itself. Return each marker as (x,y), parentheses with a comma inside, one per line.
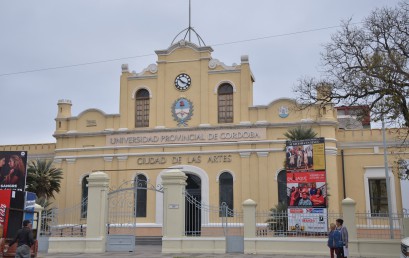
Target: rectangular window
(141,198)
(378,197)
(226,108)
(142,113)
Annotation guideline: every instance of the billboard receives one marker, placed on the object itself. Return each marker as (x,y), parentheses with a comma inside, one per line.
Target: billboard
(306,185)
(13,170)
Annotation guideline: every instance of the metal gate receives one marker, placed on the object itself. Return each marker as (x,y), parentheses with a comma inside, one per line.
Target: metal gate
(124,212)
(211,221)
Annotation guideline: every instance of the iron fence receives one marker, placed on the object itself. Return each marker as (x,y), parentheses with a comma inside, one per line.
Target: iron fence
(380,225)
(368,225)
(67,222)
(211,221)
(282,224)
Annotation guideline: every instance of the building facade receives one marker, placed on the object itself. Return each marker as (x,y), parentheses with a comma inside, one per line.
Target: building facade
(193,112)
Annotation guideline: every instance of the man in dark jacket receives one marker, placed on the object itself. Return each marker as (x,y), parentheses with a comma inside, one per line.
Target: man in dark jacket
(24,239)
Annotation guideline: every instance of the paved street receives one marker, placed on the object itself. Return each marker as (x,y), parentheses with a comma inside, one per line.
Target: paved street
(154,251)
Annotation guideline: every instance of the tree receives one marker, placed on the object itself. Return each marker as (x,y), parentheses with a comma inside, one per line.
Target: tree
(300,133)
(366,65)
(278,218)
(43,179)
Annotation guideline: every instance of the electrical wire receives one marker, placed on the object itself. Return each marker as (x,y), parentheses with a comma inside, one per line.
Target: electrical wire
(145,55)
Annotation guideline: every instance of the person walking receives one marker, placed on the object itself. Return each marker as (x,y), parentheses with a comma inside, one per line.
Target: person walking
(24,239)
(344,235)
(335,243)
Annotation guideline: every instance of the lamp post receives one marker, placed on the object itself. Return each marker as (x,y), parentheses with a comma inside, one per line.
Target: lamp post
(388,187)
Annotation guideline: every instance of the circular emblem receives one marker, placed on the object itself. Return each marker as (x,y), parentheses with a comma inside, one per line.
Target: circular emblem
(182,82)
(283,112)
(182,111)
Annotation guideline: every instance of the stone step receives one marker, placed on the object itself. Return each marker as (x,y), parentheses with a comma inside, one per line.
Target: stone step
(148,240)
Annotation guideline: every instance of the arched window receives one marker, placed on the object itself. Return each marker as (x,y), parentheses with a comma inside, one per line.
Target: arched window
(84,197)
(226,192)
(142,108)
(282,186)
(140,195)
(225,103)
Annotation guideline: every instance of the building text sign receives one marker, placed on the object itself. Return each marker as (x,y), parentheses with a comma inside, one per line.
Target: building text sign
(206,136)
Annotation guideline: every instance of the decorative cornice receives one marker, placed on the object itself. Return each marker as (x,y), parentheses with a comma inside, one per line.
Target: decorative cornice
(108,159)
(70,160)
(262,153)
(122,157)
(152,68)
(213,63)
(245,154)
(183,44)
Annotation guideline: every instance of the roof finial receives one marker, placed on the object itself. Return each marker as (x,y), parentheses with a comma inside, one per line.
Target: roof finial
(189,30)
(190,13)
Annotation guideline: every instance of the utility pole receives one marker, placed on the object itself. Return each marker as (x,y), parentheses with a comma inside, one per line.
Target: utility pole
(388,186)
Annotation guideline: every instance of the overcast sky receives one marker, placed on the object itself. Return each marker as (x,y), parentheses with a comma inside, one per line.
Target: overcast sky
(44,35)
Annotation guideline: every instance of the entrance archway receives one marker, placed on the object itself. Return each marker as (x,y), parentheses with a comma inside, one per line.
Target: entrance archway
(192,211)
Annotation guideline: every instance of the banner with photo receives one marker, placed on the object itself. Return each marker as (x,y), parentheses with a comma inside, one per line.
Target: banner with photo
(307,219)
(306,185)
(13,170)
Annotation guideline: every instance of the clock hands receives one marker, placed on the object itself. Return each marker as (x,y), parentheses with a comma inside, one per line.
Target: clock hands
(181,81)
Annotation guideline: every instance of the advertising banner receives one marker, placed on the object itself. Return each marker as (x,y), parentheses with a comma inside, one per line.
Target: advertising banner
(29,206)
(306,185)
(307,219)
(13,170)
(5,196)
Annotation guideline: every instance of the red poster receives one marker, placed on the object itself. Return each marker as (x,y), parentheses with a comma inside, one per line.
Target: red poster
(305,177)
(5,196)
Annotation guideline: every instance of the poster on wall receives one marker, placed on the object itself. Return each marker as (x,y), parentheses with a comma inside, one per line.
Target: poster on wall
(306,185)
(29,205)
(13,170)
(307,219)
(4,210)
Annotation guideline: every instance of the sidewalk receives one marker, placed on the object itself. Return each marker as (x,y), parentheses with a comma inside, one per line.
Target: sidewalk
(154,251)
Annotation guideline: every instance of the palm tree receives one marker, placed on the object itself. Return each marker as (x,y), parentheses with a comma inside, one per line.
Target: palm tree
(43,179)
(300,133)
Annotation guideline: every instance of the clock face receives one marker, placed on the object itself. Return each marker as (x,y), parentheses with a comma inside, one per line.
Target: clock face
(182,82)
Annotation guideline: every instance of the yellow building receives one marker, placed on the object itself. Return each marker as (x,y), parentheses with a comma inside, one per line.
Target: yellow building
(196,113)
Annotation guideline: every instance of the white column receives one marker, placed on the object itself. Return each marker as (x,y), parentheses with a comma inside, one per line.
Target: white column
(249,220)
(348,210)
(97,212)
(174,183)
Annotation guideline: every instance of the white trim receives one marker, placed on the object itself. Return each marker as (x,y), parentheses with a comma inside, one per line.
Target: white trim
(222,82)
(140,173)
(277,172)
(228,171)
(204,190)
(378,173)
(141,88)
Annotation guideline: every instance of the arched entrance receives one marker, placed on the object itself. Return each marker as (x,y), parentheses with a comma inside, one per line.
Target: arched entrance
(192,211)
(282,187)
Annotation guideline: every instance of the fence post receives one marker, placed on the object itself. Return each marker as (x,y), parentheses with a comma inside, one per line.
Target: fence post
(97,212)
(174,183)
(39,209)
(249,220)
(405,227)
(349,212)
